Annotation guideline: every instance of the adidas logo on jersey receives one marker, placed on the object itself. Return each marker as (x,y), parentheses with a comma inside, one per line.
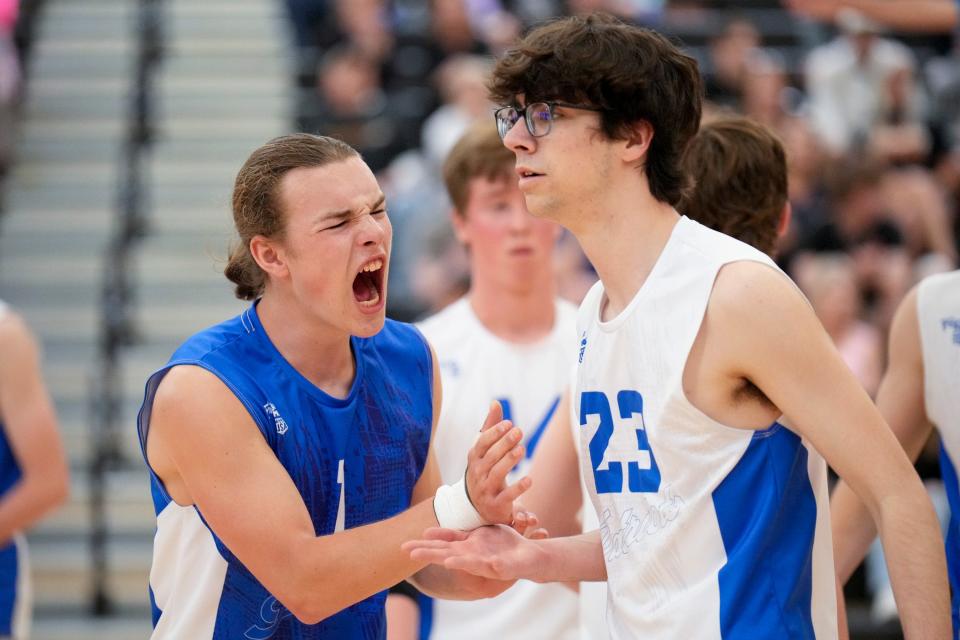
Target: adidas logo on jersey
(277,419)
(583,346)
(952,324)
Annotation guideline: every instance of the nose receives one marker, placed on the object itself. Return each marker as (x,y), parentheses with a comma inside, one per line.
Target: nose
(374,230)
(518,138)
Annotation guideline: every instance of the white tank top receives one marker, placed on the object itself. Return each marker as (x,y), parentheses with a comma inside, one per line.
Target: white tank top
(938,311)
(708,531)
(477,367)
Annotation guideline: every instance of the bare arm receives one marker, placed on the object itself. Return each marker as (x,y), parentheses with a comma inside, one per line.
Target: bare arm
(500,553)
(901,403)
(31,428)
(208,451)
(829,408)
(555,495)
(916,15)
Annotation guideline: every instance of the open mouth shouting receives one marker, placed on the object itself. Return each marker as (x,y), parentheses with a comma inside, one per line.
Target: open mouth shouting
(368,285)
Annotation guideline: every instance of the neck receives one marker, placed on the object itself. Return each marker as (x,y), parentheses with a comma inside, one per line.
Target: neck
(514,315)
(623,236)
(319,353)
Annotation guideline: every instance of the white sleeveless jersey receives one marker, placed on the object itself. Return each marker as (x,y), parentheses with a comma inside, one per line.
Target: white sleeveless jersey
(708,531)
(938,313)
(477,367)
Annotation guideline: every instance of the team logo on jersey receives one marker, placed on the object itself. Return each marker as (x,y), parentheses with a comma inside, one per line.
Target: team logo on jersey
(645,517)
(583,345)
(280,423)
(272,613)
(952,324)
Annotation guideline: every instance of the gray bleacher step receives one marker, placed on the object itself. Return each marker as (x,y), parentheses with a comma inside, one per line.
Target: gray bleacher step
(123,44)
(226,86)
(91,66)
(129,509)
(73,131)
(224,8)
(259,129)
(193,66)
(212,105)
(80,105)
(97,220)
(188,45)
(61,570)
(230,27)
(50,270)
(80,626)
(63,243)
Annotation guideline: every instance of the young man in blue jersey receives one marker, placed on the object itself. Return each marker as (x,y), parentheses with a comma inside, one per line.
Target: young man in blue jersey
(33,467)
(289,448)
(692,348)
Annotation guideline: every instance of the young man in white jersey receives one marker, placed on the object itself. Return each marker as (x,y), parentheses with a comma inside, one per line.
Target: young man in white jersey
(693,345)
(919,392)
(510,339)
(33,467)
(739,170)
(289,447)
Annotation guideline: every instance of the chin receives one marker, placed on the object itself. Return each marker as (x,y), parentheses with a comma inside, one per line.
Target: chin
(369,326)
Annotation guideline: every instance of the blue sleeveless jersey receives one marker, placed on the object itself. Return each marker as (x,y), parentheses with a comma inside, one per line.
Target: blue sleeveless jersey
(358,457)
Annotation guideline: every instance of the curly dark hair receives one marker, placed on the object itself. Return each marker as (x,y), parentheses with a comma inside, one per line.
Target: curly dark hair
(631,73)
(739,170)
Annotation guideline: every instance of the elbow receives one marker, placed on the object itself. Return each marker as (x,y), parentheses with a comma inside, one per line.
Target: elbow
(308,610)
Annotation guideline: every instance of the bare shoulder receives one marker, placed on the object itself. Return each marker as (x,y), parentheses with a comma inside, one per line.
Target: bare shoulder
(16,339)
(749,289)
(192,393)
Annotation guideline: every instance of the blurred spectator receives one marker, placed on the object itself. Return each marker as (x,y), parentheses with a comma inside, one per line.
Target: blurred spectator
(830,283)
(726,67)
(860,82)
(461,81)
(350,104)
(915,15)
(918,205)
(860,226)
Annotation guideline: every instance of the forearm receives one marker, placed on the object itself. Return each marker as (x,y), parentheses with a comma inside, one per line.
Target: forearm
(329,574)
(915,558)
(439,582)
(572,559)
(853,530)
(918,15)
(30,499)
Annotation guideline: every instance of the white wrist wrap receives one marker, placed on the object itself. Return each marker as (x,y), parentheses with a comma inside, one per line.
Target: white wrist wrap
(454,510)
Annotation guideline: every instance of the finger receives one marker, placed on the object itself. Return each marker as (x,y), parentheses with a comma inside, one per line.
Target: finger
(431,556)
(494,415)
(538,533)
(502,463)
(488,439)
(450,535)
(515,490)
(411,545)
(471,564)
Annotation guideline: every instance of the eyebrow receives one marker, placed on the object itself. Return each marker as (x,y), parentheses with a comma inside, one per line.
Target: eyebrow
(333,216)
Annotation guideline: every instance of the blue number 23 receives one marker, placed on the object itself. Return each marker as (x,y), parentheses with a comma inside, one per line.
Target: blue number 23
(643,478)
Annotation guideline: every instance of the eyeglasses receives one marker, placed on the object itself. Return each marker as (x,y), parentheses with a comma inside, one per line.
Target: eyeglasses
(538,117)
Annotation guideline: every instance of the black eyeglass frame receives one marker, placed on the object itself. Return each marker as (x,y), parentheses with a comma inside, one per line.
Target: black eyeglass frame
(526,114)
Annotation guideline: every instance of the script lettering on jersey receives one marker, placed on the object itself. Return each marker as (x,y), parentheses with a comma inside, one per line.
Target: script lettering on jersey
(278,421)
(643,474)
(952,324)
(617,536)
(583,347)
(271,614)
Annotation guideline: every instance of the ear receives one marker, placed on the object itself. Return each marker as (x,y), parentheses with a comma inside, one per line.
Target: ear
(458,221)
(270,256)
(638,142)
(785,217)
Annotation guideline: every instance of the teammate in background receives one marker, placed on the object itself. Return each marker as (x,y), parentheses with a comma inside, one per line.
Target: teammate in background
(510,339)
(918,392)
(33,467)
(739,172)
(693,346)
(916,15)
(289,447)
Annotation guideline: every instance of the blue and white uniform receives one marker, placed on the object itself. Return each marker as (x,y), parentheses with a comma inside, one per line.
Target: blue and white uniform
(354,460)
(938,314)
(708,531)
(476,367)
(15,593)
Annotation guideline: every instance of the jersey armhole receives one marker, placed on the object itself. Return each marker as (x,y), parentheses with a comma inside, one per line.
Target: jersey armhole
(150,392)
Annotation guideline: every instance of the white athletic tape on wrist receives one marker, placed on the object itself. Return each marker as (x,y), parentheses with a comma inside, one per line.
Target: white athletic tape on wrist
(454,510)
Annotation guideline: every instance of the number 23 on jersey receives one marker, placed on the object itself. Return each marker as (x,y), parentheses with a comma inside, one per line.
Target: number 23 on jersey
(643,474)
